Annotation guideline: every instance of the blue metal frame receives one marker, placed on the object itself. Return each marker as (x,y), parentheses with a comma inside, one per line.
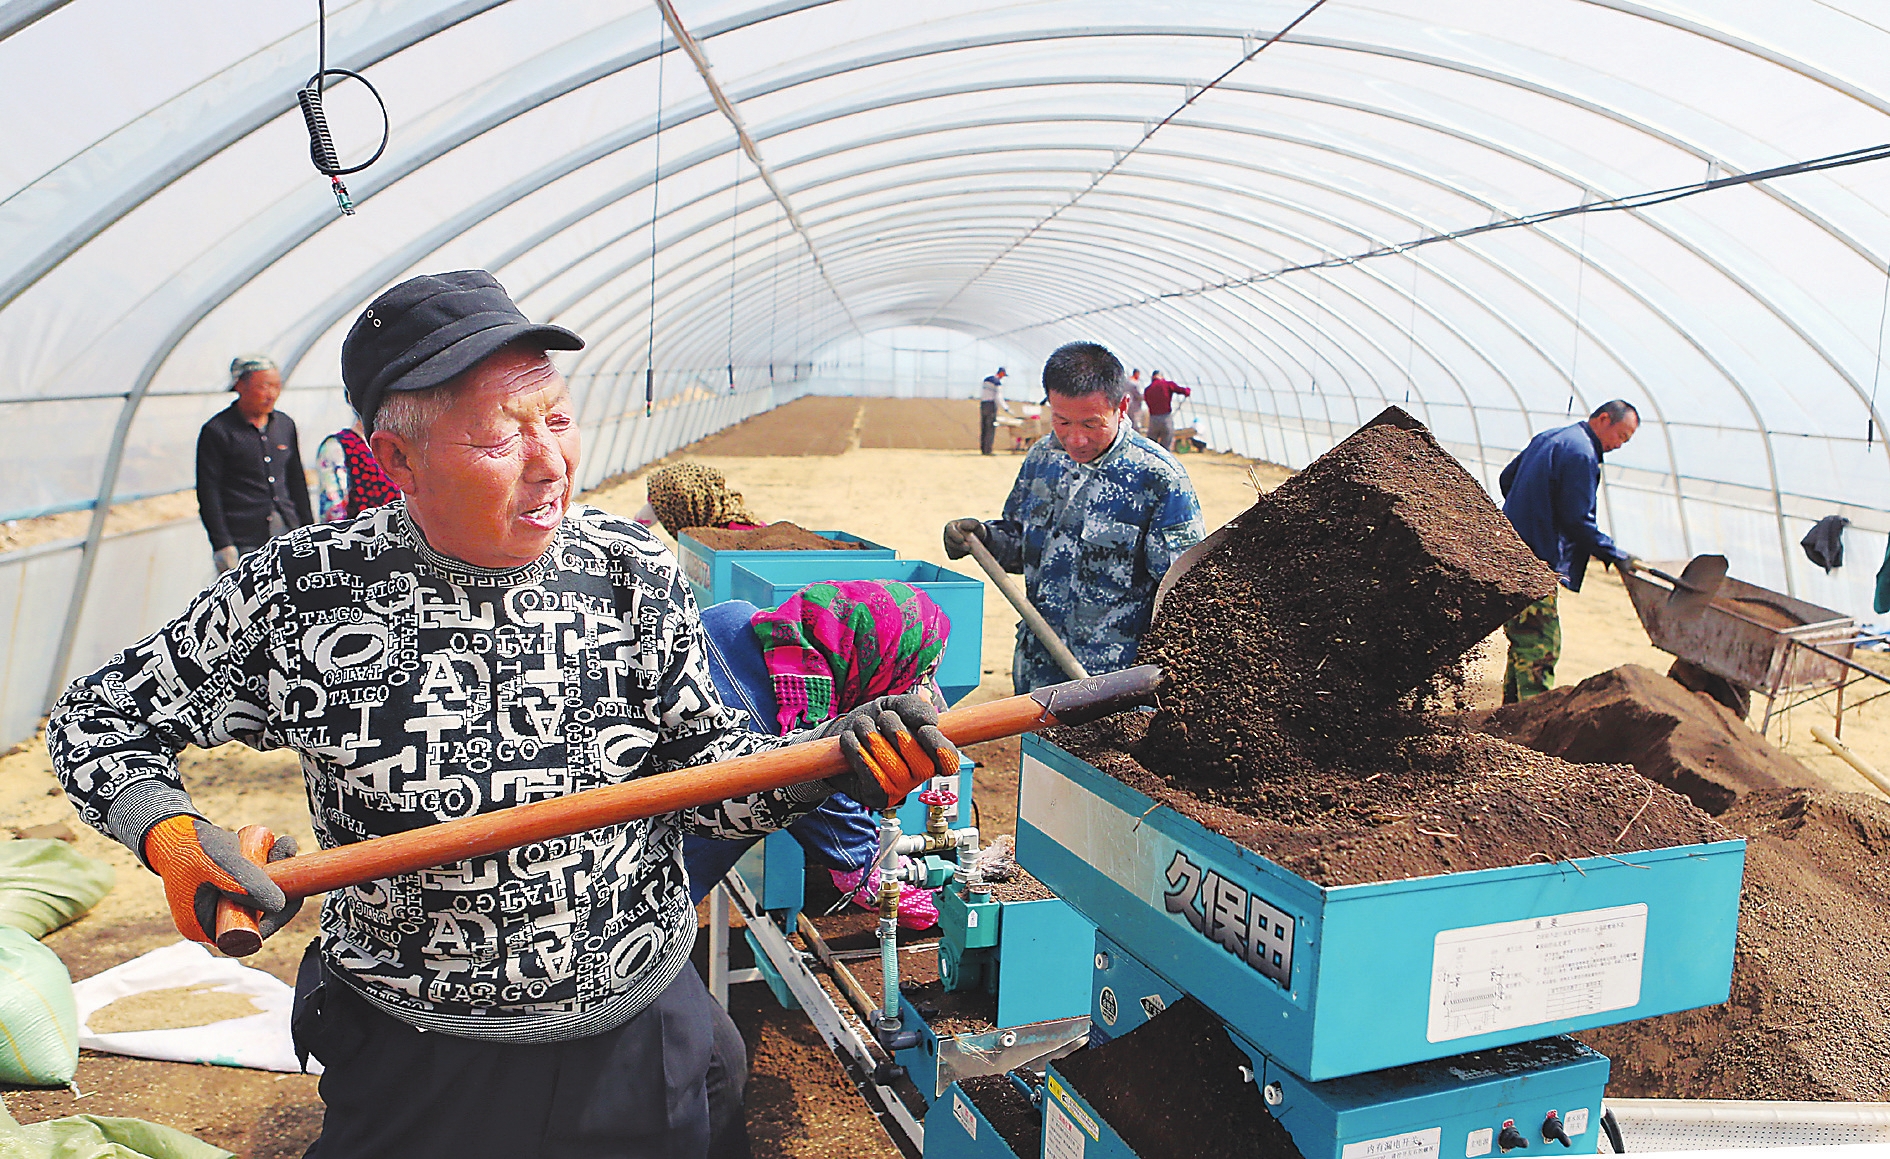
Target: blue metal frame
(1359,982)
(766,582)
(708,569)
(956,1129)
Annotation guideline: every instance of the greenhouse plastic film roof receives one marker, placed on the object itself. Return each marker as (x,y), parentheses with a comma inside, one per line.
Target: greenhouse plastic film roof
(748,199)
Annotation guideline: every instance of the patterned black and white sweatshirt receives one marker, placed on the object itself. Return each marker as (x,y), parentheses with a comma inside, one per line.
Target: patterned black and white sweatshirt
(418,689)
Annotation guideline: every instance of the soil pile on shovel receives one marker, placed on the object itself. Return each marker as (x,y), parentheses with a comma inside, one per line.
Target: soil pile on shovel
(1306,655)
(1807,1018)
(1301,641)
(1684,740)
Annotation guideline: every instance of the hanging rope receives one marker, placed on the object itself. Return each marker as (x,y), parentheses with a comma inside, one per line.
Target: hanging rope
(656,189)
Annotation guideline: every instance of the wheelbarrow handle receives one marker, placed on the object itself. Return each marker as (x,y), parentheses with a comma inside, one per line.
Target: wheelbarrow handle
(481,835)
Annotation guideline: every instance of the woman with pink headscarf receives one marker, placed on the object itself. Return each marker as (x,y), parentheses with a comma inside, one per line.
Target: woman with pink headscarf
(828,649)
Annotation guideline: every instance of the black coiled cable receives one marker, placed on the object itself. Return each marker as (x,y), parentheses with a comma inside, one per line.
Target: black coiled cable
(321,144)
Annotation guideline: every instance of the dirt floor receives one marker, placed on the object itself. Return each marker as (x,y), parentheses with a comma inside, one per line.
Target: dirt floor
(816,463)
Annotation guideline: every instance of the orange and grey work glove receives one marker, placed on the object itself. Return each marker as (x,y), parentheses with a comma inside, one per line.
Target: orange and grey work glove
(201,863)
(892,746)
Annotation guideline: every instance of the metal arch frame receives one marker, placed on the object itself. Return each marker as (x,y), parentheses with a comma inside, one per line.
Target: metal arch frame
(131,406)
(1480,141)
(1429,61)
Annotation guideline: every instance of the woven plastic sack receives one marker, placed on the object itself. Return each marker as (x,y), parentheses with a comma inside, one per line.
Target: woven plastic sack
(39,1026)
(45,884)
(99,1137)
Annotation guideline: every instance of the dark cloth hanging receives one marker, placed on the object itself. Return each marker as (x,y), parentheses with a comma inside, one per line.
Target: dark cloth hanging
(1824,543)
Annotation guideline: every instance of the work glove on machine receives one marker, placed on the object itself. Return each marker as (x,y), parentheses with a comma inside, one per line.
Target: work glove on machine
(958,536)
(892,746)
(201,863)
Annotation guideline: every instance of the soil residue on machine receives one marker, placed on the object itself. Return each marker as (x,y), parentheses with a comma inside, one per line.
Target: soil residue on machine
(1006,1109)
(783,536)
(1203,1103)
(1311,660)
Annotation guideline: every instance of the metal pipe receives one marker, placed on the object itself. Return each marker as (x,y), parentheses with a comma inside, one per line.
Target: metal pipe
(718,946)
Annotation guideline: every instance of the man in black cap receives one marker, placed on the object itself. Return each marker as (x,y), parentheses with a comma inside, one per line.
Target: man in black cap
(473,646)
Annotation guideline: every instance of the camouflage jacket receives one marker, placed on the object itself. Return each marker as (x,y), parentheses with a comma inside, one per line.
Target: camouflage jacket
(419,689)
(1093,541)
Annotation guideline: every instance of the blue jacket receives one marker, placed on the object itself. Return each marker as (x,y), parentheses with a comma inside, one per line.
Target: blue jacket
(1549,495)
(1093,541)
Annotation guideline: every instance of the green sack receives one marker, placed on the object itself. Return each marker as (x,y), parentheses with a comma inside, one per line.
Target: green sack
(99,1137)
(45,884)
(39,1025)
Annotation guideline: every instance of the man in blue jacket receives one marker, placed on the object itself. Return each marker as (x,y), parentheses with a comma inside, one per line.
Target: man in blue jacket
(1549,495)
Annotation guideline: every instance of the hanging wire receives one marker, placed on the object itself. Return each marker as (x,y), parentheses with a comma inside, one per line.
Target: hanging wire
(734,235)
(656,188)
(1631,201)
(774,293)
(321,143)
(1410,334)
(1581,272)
(1883,313)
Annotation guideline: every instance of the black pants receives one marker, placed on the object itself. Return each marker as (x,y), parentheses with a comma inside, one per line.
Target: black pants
(667,1083)
(987,425)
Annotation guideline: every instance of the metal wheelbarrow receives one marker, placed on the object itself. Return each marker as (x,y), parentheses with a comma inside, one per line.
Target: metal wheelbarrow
(1757,639)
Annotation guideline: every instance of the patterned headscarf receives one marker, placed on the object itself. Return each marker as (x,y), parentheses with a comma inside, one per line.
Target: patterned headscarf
(834,646)
(686,495)
(247,364)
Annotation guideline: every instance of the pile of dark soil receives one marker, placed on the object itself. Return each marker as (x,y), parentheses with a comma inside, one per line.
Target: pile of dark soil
(783,536)
(1686,741)
(1306,640)
(1445,802)
(1202,1105)
(1807,1018)
(999,1100)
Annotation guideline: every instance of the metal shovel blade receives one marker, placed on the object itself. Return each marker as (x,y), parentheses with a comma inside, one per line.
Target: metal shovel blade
(1695,587)
(1185,562)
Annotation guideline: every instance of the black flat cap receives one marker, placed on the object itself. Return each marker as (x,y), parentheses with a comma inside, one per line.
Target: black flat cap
(429,329)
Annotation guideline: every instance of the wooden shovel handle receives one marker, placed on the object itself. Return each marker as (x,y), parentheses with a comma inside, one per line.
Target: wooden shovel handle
(487,833)
(238,931)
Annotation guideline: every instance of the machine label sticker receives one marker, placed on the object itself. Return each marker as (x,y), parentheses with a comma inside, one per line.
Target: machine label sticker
(1069,1104)
(965,1118)
(1152,1005)
(1479,1143)
(695,567)
(1502,976)
(1576,1122)
(1410,1145)
(1061,1139)
(1241,923)
(1106,1006)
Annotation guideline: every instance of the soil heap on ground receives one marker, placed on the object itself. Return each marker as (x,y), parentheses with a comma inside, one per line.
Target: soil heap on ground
(1201,1105)
(782,536)
(1298,642)
(1685,740)
(1807,1018)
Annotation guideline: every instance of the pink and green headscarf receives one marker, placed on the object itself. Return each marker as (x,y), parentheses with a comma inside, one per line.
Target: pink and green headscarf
(834,646)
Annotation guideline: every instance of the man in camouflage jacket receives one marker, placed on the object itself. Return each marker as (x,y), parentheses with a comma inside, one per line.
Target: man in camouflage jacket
(1095,519)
